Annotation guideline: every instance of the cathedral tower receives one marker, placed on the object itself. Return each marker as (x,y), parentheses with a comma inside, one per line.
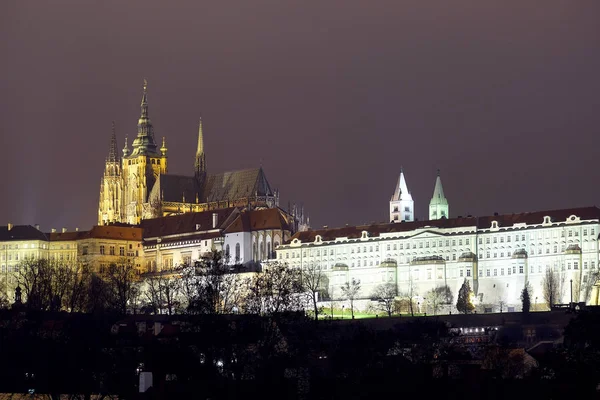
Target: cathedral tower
(109,209)
(402,206)
(141,167)
(200,164)
(438,206)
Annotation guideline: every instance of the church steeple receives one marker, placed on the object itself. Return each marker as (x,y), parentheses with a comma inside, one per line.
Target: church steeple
(200,164)
(402,206)
(144,142)
(438,206)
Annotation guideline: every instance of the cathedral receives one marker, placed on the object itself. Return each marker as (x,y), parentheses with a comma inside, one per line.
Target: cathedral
(138,186)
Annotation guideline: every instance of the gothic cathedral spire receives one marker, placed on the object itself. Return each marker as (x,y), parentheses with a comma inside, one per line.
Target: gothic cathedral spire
(438,206)
(402,206)
(109,207)
(200,164)
(144,142)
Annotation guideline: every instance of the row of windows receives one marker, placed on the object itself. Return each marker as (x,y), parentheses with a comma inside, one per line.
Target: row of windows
(540,235)
(24,246)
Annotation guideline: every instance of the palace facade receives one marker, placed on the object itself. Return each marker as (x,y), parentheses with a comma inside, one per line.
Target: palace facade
(497,254)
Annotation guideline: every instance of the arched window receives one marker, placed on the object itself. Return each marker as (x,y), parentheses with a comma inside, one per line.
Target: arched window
(270,253)
(227,251)
(237,252)
(254,252)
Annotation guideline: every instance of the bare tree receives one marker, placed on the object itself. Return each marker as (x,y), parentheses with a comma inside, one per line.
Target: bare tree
(385,295)
(123,286)
(314,283)
(51,285)
(212,287)
(4,301)
(162,292)
(589,280)
(550,287)
(277,289)
(410,294)
(350,290)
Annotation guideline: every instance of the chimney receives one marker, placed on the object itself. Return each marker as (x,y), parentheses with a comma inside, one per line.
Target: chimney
(215,220)
(53,230)
(37,226)
(76,229)
(64,230)
(495,214)
(197,227)
(10,226)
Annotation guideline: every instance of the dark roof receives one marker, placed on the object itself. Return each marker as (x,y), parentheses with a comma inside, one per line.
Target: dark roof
(236,185)
(176,188)
(506,220)
(21,232)
(184,223)
(256,220)
(58,236)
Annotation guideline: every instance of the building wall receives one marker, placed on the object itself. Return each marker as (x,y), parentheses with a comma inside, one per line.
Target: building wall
(496,270)
(163,256)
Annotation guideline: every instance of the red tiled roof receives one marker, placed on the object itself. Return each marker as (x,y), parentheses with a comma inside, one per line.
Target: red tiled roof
(506,220)
(113,232)
(257,220)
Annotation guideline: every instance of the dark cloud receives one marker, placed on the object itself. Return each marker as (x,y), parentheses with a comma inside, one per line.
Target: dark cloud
(332,96)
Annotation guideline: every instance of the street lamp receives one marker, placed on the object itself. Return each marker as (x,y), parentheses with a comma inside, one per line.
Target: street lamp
(571,291)
(343,311)
(535,303)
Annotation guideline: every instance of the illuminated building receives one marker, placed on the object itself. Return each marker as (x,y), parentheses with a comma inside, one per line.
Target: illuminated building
(138,186)
(402,206)
(497,254)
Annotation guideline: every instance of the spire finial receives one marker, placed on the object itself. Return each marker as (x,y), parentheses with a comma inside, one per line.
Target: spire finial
(125,148)
(163,148)
(438,172)
(112,152)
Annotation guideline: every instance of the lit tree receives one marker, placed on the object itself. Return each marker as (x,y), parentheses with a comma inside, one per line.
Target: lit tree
(163,292)
(463,302)
(439,296)
(122,287)
(385,295)
(589,280)
(277,289)
(350,291)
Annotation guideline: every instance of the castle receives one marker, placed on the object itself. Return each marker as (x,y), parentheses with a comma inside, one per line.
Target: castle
(137,186)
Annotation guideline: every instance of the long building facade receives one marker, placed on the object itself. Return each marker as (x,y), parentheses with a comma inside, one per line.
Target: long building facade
(496,254)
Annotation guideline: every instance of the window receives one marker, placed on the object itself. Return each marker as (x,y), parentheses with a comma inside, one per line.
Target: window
(480,272)
(495,255)
(461,273)
(453,257)
(495,239)
(122,251)
(396,210)
(487,272)
(570,233)
(480,241)
(508,239)
(467,242)
(516,238)
(453,242)
(428,274)
(593,264)
(523,238)
(447,243)
(420,245)
(487,254)
(501,271)
(585,232)
(502,239)
(468,272)
(406,209)
(495,271)
(112,250)
(84,250)
(514,270)
(521,268)
(576,265)
(388,247)
(592,232)
(508,270)
(460,242)
(487,240)
(102,249)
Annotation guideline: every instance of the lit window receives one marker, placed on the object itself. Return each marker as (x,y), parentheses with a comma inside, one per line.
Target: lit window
(102,249)
(487,272)
(495,272)
(520,269)
(468,272)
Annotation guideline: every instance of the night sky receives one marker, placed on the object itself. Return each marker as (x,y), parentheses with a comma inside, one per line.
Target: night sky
(333,97)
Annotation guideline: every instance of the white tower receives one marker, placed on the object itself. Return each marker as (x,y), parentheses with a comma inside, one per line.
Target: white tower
(402,206)
(438,206)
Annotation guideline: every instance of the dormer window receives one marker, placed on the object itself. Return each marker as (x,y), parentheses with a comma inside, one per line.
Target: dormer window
(494,224)
(547,220)
(318,239)
(364,235)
